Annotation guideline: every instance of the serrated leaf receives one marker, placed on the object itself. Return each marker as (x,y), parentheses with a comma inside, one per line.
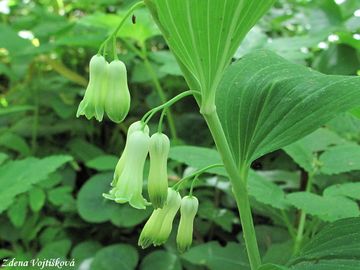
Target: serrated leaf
(336,246)
(17,177)
(326,208)
(303,152)
(266,192)
(351,190)
(205,53)
(265,103)
(341,158)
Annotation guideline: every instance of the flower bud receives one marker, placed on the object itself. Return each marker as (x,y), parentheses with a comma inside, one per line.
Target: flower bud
(129,184)
(158,227)
(94,98)
(136,126)
(117,100)
(158,178)
(188,210)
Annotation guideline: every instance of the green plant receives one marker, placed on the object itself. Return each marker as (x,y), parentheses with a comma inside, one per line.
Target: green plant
(262,111)
(264,102)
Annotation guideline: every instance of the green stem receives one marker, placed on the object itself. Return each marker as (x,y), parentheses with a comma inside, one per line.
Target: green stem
(147,116)
(163,113)
(238,181)
(127,15)
(196,174)
(302,221)
(288,224)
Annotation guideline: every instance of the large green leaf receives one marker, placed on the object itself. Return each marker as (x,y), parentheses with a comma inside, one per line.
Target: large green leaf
(18,176)
(215,257)
(265,103)
(161,260)
(328,208)
(341,158)
(94,208)
(204,35)
(114,257)
(336,246)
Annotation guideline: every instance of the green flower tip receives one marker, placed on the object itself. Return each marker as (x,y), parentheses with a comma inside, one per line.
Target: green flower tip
(158,178)
(107,91)
(128,177)
(188,210)
(158,227)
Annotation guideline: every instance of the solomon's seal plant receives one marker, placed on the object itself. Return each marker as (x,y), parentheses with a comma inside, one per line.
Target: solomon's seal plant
(257,105)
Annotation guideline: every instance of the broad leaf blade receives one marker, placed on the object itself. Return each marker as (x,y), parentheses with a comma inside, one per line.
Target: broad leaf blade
(326,208)
(336,246)
(265,103)
(204,34)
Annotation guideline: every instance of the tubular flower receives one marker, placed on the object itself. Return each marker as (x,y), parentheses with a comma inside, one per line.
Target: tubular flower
(158,228)
(117,100)
(136,126)
(188,210)
(128,187)
(158,179)
(94,98)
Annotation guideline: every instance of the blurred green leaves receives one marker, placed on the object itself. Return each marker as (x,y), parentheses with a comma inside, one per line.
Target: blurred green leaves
(25,173)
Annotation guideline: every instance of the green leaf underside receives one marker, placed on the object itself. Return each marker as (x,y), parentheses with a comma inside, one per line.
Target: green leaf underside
(336,246)
(265,103)
(204,35)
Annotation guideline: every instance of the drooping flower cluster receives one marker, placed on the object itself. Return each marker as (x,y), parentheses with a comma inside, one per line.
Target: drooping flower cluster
(158,227)
(128,182)
(128,177)
(107,91)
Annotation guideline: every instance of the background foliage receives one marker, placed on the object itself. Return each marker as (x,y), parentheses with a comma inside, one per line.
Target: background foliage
(54,167)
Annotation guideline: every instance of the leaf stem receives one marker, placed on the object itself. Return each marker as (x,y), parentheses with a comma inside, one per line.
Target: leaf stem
(196,174)
(161,93)
(239,185)
(127,15)
(301,226)
(147,116)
